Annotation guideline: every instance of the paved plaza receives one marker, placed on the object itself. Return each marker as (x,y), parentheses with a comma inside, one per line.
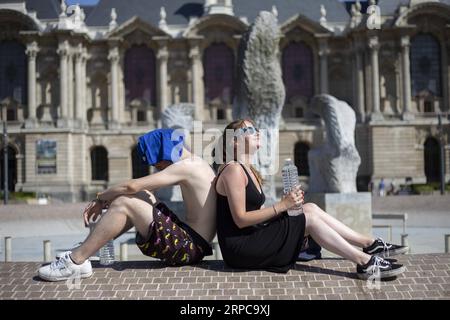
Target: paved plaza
(426,277)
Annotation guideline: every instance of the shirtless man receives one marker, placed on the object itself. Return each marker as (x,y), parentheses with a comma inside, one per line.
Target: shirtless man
(160,233)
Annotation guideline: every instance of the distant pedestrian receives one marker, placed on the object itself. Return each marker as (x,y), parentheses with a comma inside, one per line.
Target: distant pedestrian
(391,190)
(371,187)
(381,188)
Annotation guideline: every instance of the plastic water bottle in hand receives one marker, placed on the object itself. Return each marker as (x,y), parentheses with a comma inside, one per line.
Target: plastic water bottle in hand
(290,181)
(106,252)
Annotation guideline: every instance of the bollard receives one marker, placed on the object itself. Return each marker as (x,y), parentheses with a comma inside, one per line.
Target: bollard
(47,251)
(218,253)
(405,241)
(447,243)
(8,249)
(123,251)
(405,217)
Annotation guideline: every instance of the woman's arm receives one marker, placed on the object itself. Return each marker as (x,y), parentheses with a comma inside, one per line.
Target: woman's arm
(234,181)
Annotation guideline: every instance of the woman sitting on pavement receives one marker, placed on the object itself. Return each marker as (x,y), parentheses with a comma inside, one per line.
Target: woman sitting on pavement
(253,237)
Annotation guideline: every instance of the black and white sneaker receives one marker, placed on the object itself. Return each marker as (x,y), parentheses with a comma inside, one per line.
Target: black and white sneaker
(380,268)
(383,249)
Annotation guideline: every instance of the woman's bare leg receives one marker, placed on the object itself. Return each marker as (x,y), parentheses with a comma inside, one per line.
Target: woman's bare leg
(329,239)
(123,213)
(348,234)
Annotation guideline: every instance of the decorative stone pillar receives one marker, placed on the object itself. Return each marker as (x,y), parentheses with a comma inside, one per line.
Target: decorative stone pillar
(20,158)
(374,46)
(445,73)
(70,86)
(80,85)
(359,80)
(163,57)
(63,51)
(114,58)
(406,75)
(197,86)
(323,57)
(32,51)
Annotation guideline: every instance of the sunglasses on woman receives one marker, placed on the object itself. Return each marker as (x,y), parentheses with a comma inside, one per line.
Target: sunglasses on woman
(246,131)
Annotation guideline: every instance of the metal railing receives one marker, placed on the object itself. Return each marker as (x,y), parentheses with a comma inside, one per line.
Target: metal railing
(393,216)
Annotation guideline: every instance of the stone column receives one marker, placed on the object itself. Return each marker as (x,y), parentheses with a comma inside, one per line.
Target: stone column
(323,56)
(63,114)
(197,88)
(359,81)
(80,85)
(114,58)
(70,88)
(20,172)
(374,46)
(445,76)
(122,102)
(163,57)
(406,75)
(32,51)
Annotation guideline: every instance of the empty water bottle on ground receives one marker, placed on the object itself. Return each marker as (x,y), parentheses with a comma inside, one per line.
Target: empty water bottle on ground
(106,252)
(290,181)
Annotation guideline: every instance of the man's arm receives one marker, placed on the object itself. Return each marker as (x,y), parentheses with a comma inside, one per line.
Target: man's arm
(173,174)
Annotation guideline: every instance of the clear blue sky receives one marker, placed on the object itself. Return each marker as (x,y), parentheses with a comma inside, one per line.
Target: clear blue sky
(82,2)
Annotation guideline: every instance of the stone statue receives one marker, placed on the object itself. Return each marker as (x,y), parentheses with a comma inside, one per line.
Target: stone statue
(334,165)
(176,116)
(260,94)
(179,116)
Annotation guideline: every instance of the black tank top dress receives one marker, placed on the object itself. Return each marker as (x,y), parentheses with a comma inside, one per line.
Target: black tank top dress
(272,246)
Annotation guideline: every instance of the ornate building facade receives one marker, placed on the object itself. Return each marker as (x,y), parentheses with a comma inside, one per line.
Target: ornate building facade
(78,85)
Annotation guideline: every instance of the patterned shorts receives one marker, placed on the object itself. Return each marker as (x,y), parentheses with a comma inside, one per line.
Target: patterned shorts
(171,240)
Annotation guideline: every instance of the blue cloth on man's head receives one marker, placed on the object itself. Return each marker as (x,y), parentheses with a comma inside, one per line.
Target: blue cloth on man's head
(157,145)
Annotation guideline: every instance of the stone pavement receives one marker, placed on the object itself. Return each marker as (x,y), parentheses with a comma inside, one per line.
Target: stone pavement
(427,277)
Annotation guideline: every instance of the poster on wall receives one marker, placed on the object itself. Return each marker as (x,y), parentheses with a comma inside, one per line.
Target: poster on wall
(46,156)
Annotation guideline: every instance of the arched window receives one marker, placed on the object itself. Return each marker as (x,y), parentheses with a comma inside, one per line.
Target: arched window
(99,164)
(298,77)
(140,74)
(301,150)
(218,64)
(139,169)
(431,159)
(13,71)
(425,65)
(12,169)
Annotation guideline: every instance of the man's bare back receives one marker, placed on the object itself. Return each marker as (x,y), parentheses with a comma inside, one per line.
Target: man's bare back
(199,196)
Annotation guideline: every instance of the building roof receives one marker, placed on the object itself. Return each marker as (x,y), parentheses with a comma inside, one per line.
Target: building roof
(45,9)
(389,7)
(179,11)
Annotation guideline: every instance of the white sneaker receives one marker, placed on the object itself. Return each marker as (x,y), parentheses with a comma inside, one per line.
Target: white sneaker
(61,254)
(64,268)
(94,257)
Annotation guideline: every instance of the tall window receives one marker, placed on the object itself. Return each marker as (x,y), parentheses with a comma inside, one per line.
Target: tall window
(13,71)
(298,69)
(431,159)
(218,63)
(99,163)
(140,74)
(139,168)
(425,65)
(301,150)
